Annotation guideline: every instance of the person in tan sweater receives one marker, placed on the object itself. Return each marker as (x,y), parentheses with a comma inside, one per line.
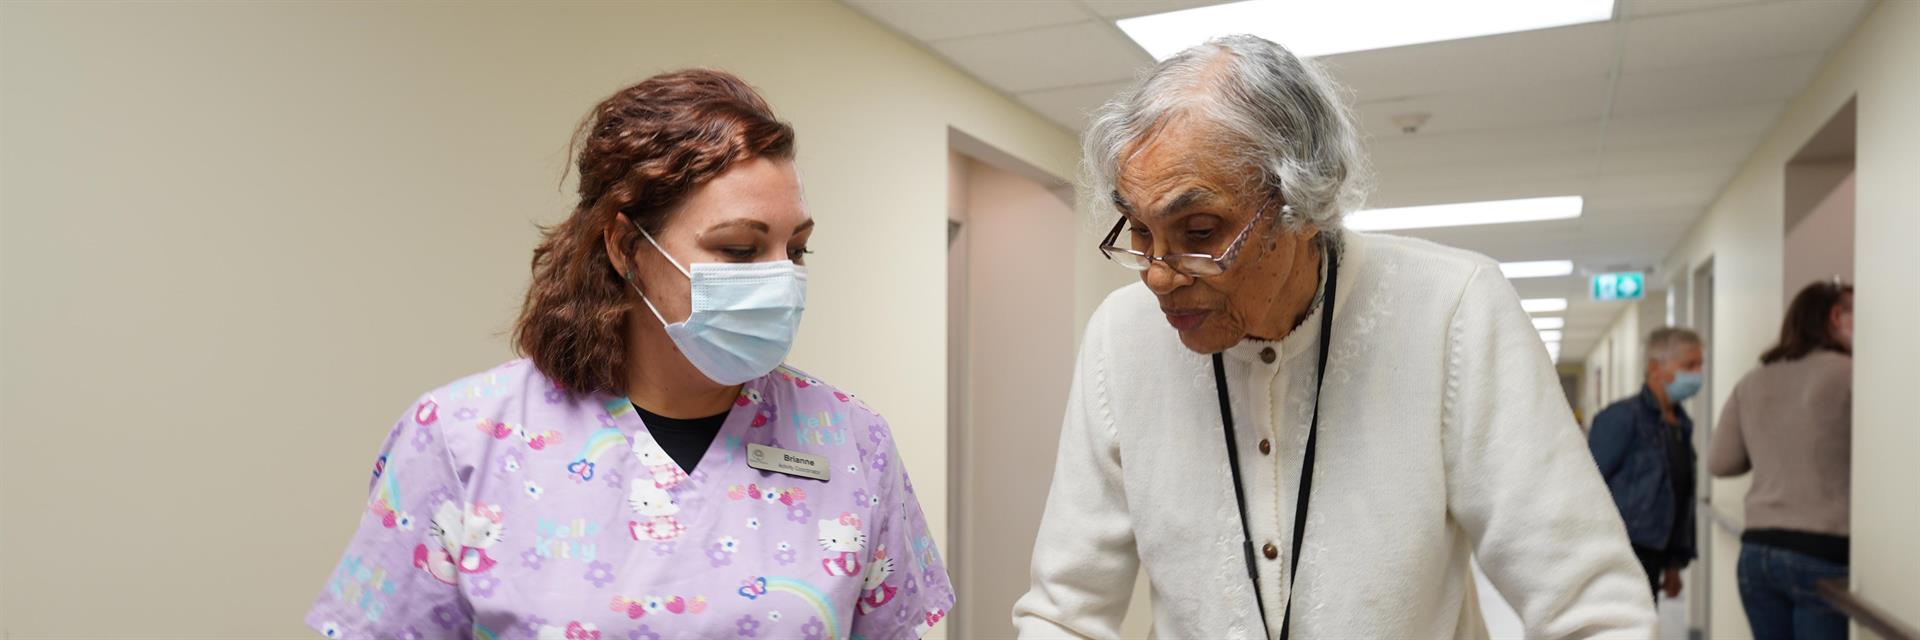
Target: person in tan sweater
(1790,423)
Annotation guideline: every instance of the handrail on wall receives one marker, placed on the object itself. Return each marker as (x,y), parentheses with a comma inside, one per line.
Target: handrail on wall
(1863,612)
(1867,614)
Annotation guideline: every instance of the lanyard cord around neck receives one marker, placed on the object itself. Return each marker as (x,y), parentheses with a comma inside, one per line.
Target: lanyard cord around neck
(1306,461)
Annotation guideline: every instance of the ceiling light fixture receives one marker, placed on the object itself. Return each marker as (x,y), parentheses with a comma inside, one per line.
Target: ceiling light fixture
(1549,323)
(1537,269)
(1325,28)
(1467,214)
(1550,336)
(1544,305)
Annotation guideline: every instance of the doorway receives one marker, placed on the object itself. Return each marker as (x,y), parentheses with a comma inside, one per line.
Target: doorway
(1715,602)
(1010,341)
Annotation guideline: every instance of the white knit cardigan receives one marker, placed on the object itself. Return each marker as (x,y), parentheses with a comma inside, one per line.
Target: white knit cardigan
(1444,436)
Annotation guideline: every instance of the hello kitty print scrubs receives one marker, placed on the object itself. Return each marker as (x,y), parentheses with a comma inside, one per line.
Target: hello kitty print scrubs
(503,507)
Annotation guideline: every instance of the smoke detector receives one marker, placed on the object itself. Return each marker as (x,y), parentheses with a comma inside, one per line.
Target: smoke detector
(1411,122)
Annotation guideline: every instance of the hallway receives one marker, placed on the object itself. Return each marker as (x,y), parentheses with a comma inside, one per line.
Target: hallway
(235,238)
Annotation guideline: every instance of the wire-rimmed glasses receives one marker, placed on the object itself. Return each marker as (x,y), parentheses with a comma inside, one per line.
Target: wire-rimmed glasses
(1199,265)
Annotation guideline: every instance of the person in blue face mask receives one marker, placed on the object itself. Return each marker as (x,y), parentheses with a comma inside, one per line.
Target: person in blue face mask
(1644,446)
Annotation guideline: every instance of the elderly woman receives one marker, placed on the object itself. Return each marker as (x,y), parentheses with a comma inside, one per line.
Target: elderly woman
(653,470)
(1299,429)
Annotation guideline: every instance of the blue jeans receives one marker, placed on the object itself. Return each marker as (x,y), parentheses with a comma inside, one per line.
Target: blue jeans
(1776,587)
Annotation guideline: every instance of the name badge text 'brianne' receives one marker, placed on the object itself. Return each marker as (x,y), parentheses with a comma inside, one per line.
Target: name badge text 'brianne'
(793,463)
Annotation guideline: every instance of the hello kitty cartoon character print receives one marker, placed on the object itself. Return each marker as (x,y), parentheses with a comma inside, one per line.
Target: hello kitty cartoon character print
(843,540)
(655,509)
(546,514)
(463,535)
(875,592)
(665,472)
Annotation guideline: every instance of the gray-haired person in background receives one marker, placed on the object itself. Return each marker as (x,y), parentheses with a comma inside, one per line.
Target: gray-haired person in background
(1295,428)
(1644,448)
(1790,422)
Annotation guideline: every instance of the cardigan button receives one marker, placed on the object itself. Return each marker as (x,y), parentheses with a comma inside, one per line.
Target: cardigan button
(1270,551)
(1266,447)
(1267,355)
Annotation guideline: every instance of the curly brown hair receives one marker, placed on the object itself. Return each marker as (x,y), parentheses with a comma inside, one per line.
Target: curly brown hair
(641,152)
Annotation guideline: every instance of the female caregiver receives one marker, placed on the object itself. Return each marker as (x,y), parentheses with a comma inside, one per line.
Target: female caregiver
(652,471)
(1276,469)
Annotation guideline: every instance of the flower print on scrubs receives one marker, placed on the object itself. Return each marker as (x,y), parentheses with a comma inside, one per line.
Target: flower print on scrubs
(497,512)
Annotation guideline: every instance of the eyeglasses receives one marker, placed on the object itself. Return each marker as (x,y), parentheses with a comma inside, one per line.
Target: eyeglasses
(1199,265)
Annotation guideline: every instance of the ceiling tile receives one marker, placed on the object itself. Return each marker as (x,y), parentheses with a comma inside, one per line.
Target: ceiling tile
(1681,206)
(930,21)
(1753,121)
(1595,246)
(1745,33)
(1395,150)
(1070,106)
(1560,102)
(1443,67)
(1048,57)
(1441,184)
(1715,85)
(1117,9)
(1725,152)
(1673,182)
(1656,221)
(1629,206)
(1641,8)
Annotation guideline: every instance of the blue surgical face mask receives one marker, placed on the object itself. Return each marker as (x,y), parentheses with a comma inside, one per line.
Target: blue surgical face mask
(1685,384)
(742,319)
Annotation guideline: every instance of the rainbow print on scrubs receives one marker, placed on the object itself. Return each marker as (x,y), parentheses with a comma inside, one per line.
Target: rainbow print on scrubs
(598,444)
(619,407)
(757,588)
(386,499)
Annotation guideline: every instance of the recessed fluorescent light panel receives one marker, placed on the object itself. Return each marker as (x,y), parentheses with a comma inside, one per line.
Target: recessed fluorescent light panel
(1322,27)
(1549,323)
(1467,214)
(1553,351)
(1550,336)
(1544,305)
(1540,269)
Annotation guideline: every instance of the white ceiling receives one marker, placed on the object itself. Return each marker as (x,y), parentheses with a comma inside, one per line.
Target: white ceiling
(1647,115)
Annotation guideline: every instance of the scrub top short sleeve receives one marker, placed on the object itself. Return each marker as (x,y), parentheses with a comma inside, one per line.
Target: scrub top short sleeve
(389,580)
(906,591)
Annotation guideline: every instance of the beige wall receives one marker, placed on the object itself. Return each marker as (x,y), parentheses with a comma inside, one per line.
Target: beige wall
(1742,235)
(1886,518)
(1615,361)
(239,238)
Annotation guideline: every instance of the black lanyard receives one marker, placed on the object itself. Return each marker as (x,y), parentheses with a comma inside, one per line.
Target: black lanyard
(1306,461)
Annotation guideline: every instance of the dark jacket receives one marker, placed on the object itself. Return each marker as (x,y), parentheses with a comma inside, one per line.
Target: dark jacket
(1630,443)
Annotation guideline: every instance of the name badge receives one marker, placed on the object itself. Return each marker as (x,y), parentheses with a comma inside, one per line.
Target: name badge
(793,463)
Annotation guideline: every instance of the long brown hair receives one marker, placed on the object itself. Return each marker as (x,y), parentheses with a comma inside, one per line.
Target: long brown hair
(641,152)
(1809,323)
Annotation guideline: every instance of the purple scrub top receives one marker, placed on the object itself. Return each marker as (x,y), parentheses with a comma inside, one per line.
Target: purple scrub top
(504,507)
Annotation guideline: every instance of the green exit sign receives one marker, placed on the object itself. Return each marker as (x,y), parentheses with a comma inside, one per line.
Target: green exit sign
(1619,286)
